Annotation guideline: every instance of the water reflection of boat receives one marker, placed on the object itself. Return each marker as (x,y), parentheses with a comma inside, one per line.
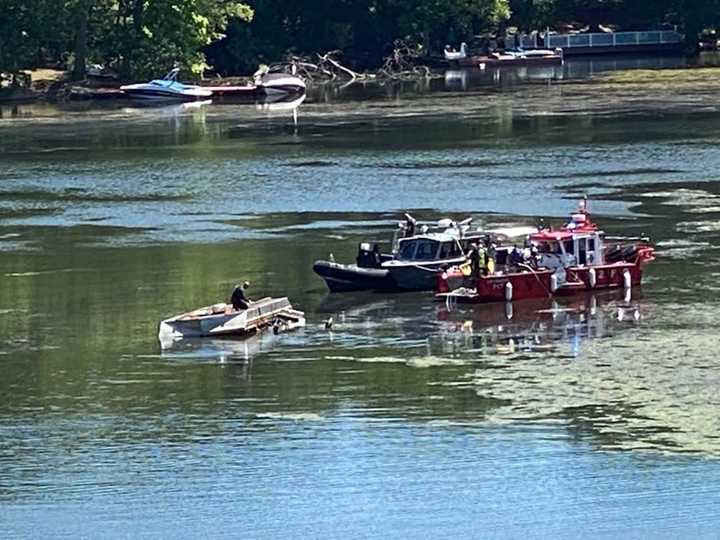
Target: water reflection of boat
(539,325)
(456,331)
(165,108)
(223,350)
(456,79)
(280,102)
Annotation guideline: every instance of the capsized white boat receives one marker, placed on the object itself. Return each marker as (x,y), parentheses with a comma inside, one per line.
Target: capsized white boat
(167,89)
(222,320)
(280,83)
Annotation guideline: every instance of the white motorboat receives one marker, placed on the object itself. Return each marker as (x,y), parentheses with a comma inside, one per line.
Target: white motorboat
(167,89)
(451,55)
(279,83)
(222,320)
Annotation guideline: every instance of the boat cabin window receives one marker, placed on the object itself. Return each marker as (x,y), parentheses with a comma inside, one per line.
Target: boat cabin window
(407,250)
(421,249)
(569,247)
(591,244)
(549,247)
(449,250)
(426,250)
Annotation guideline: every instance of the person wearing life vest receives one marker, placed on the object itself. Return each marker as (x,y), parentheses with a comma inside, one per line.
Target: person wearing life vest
(490,257)
(475,260)
(482,259)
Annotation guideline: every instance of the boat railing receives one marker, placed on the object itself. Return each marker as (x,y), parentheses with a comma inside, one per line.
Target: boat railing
(612,39)
(265,307)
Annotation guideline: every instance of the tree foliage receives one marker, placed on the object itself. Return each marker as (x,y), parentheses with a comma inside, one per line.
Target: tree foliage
(142,38)
(364,29)
(137,37)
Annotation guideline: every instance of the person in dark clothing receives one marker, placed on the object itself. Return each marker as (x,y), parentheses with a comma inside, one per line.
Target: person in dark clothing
(534,256)
(474,258)
(377,258)
(238,299)
(516,257)
(410,225)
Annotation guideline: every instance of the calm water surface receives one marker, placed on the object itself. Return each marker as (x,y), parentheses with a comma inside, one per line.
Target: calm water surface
(595,416)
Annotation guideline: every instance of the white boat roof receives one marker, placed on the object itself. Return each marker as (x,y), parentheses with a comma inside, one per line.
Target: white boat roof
(436,236)
(513,232)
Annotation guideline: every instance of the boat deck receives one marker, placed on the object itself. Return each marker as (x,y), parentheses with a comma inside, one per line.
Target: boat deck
(248,90)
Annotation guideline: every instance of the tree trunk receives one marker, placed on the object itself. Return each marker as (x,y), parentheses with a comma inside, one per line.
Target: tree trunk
(78,73)
(426,39)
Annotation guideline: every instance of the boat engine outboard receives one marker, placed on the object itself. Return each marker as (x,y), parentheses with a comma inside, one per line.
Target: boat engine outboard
(368,255)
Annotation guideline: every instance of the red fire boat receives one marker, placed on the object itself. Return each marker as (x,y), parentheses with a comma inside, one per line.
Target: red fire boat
(577,257)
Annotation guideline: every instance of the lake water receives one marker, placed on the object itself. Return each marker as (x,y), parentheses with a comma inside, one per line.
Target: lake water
(593,417)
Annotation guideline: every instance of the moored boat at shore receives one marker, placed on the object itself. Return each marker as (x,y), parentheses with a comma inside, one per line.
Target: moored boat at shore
(283,84)
(509,57)
(167,89)
(565,261)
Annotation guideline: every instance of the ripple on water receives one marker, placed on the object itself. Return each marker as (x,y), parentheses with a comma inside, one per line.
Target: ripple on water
(414,361)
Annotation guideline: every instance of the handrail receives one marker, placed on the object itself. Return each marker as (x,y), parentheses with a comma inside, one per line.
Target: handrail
(612,39)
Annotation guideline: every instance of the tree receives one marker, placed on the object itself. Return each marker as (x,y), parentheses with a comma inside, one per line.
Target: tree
(19,35)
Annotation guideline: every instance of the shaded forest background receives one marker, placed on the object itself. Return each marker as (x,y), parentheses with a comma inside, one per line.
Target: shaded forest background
(144,38)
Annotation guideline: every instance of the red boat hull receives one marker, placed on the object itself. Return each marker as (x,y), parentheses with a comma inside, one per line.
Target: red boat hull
(539,284)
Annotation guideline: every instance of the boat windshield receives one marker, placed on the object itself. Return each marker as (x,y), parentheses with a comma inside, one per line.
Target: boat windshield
(421,249)
(449,250)
(549,247)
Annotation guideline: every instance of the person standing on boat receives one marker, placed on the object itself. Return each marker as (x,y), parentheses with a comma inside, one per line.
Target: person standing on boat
(238,299)
(483,259)
(516,257)
(474,258)
(491,253)
(534,256)
(410,224)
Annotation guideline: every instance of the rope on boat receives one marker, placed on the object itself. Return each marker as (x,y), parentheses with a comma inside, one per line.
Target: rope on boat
(534,273)
(425,268)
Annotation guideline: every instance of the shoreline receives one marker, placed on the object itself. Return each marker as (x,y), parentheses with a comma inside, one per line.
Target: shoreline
(51,86)
(59,90)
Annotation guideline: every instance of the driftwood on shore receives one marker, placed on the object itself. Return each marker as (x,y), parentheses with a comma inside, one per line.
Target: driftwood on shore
(404,62)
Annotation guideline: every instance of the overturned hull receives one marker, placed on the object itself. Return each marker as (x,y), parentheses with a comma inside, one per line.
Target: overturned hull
(221,320)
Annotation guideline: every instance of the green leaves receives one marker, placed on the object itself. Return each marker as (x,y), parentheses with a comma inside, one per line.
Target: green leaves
(139,38)
(144,38)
